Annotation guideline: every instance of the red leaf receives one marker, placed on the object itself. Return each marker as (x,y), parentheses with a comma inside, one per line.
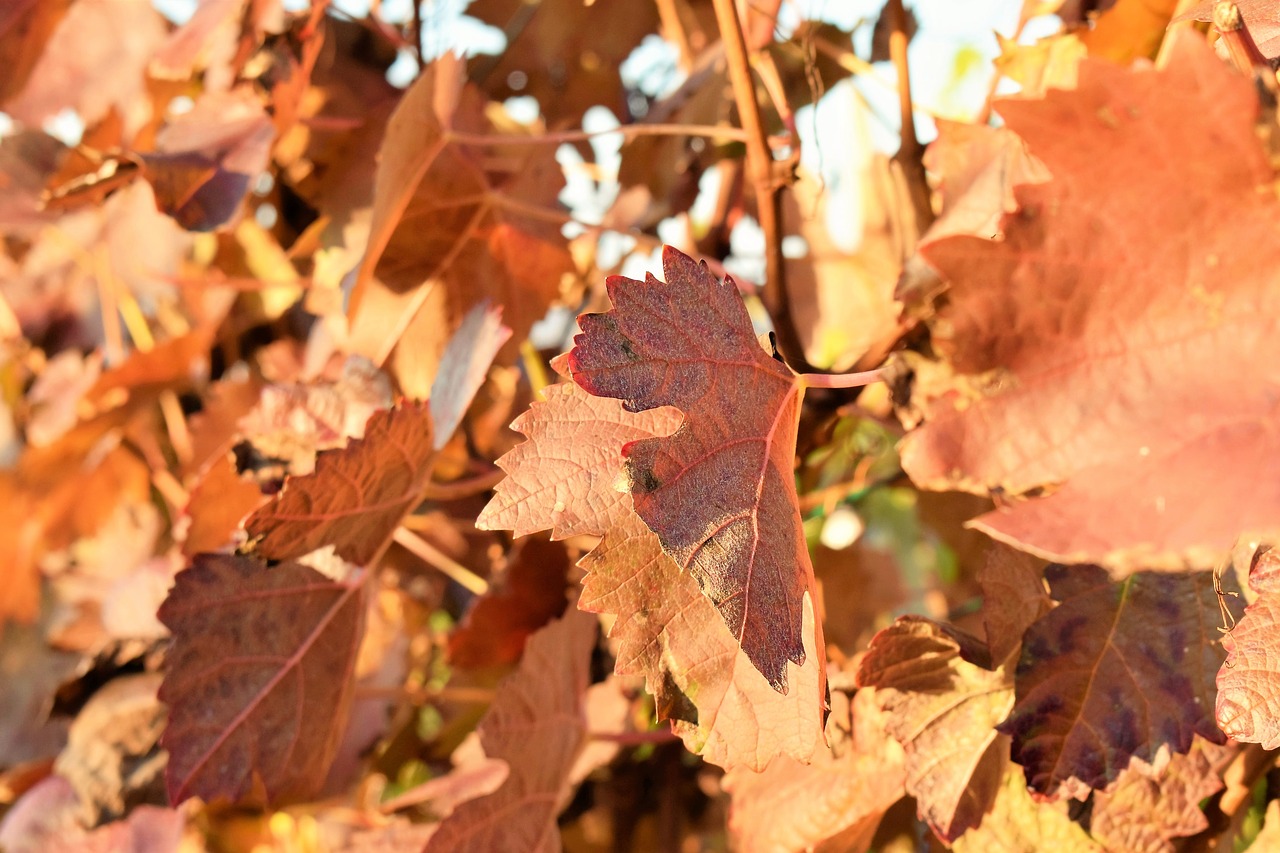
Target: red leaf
(1117,670)
(1248,706)
(720,492)
(531,592)
(357,496)
(565,478)
(537,724)
(1013,598)
(1092,357)
(943,709)
(259,678)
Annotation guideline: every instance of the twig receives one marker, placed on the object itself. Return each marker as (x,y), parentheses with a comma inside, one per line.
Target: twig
(459,489)
(418,51)
(910,152)
(730,134)
(760,171)
(635,738)
(442,562)
(841,380)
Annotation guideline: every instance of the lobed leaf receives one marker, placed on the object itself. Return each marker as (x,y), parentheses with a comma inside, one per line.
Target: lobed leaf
(1248,704)
(720,492)
(1104,349)
(1099,683)
(565,477)
(944,710)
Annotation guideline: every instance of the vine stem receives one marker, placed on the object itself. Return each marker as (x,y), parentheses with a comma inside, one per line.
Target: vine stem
(760,171)
(841,380)
(731,134)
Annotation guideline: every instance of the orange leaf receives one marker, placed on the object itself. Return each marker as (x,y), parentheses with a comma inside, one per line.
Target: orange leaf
(357,496)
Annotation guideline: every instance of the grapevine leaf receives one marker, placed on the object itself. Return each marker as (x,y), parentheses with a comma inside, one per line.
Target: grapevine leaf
(943,709)
(1260,16)
(1248,705)
(1019,824)
(537,724)
(565,478)
(529,594)
(1147,808)
(1087,350)
(796,806)
(357,496)
(1098,685)
(1013,598)
(259,678)
(720,492)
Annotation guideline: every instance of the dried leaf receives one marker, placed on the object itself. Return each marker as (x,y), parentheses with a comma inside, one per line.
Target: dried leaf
(537,724)
(1147,808)
(795,806)
(1019,824)
(531,592)
(943,709)
(1013,598)
(1074,354)
(357,496)
(463,368)
(259,678)
(713,489)
(1098,685)
(1248,704)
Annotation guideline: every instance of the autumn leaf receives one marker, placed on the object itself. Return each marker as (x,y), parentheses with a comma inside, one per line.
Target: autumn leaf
(565,478)
(720,492)
(1259,16)
(1084,357)
(532,590)
(443,237)
(357,496)
(796,806)
(1019,824)
(1147,807)
(1013,598)
(538,726)
(1248,704)
(258,679)
(1097,686)
(944,710)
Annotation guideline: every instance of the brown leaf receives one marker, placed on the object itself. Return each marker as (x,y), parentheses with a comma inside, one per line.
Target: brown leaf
(415,282)
(566,54)
(1098,684)
(1071,364)
(712,489)
(1019,824)
(536,724)
(531,591)
(357,496)
(565,478)
(207,159)
(795,806)
(31,672)
(943,709)
(1248,704)
(1147,808)
(259,678)
(1013,598)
